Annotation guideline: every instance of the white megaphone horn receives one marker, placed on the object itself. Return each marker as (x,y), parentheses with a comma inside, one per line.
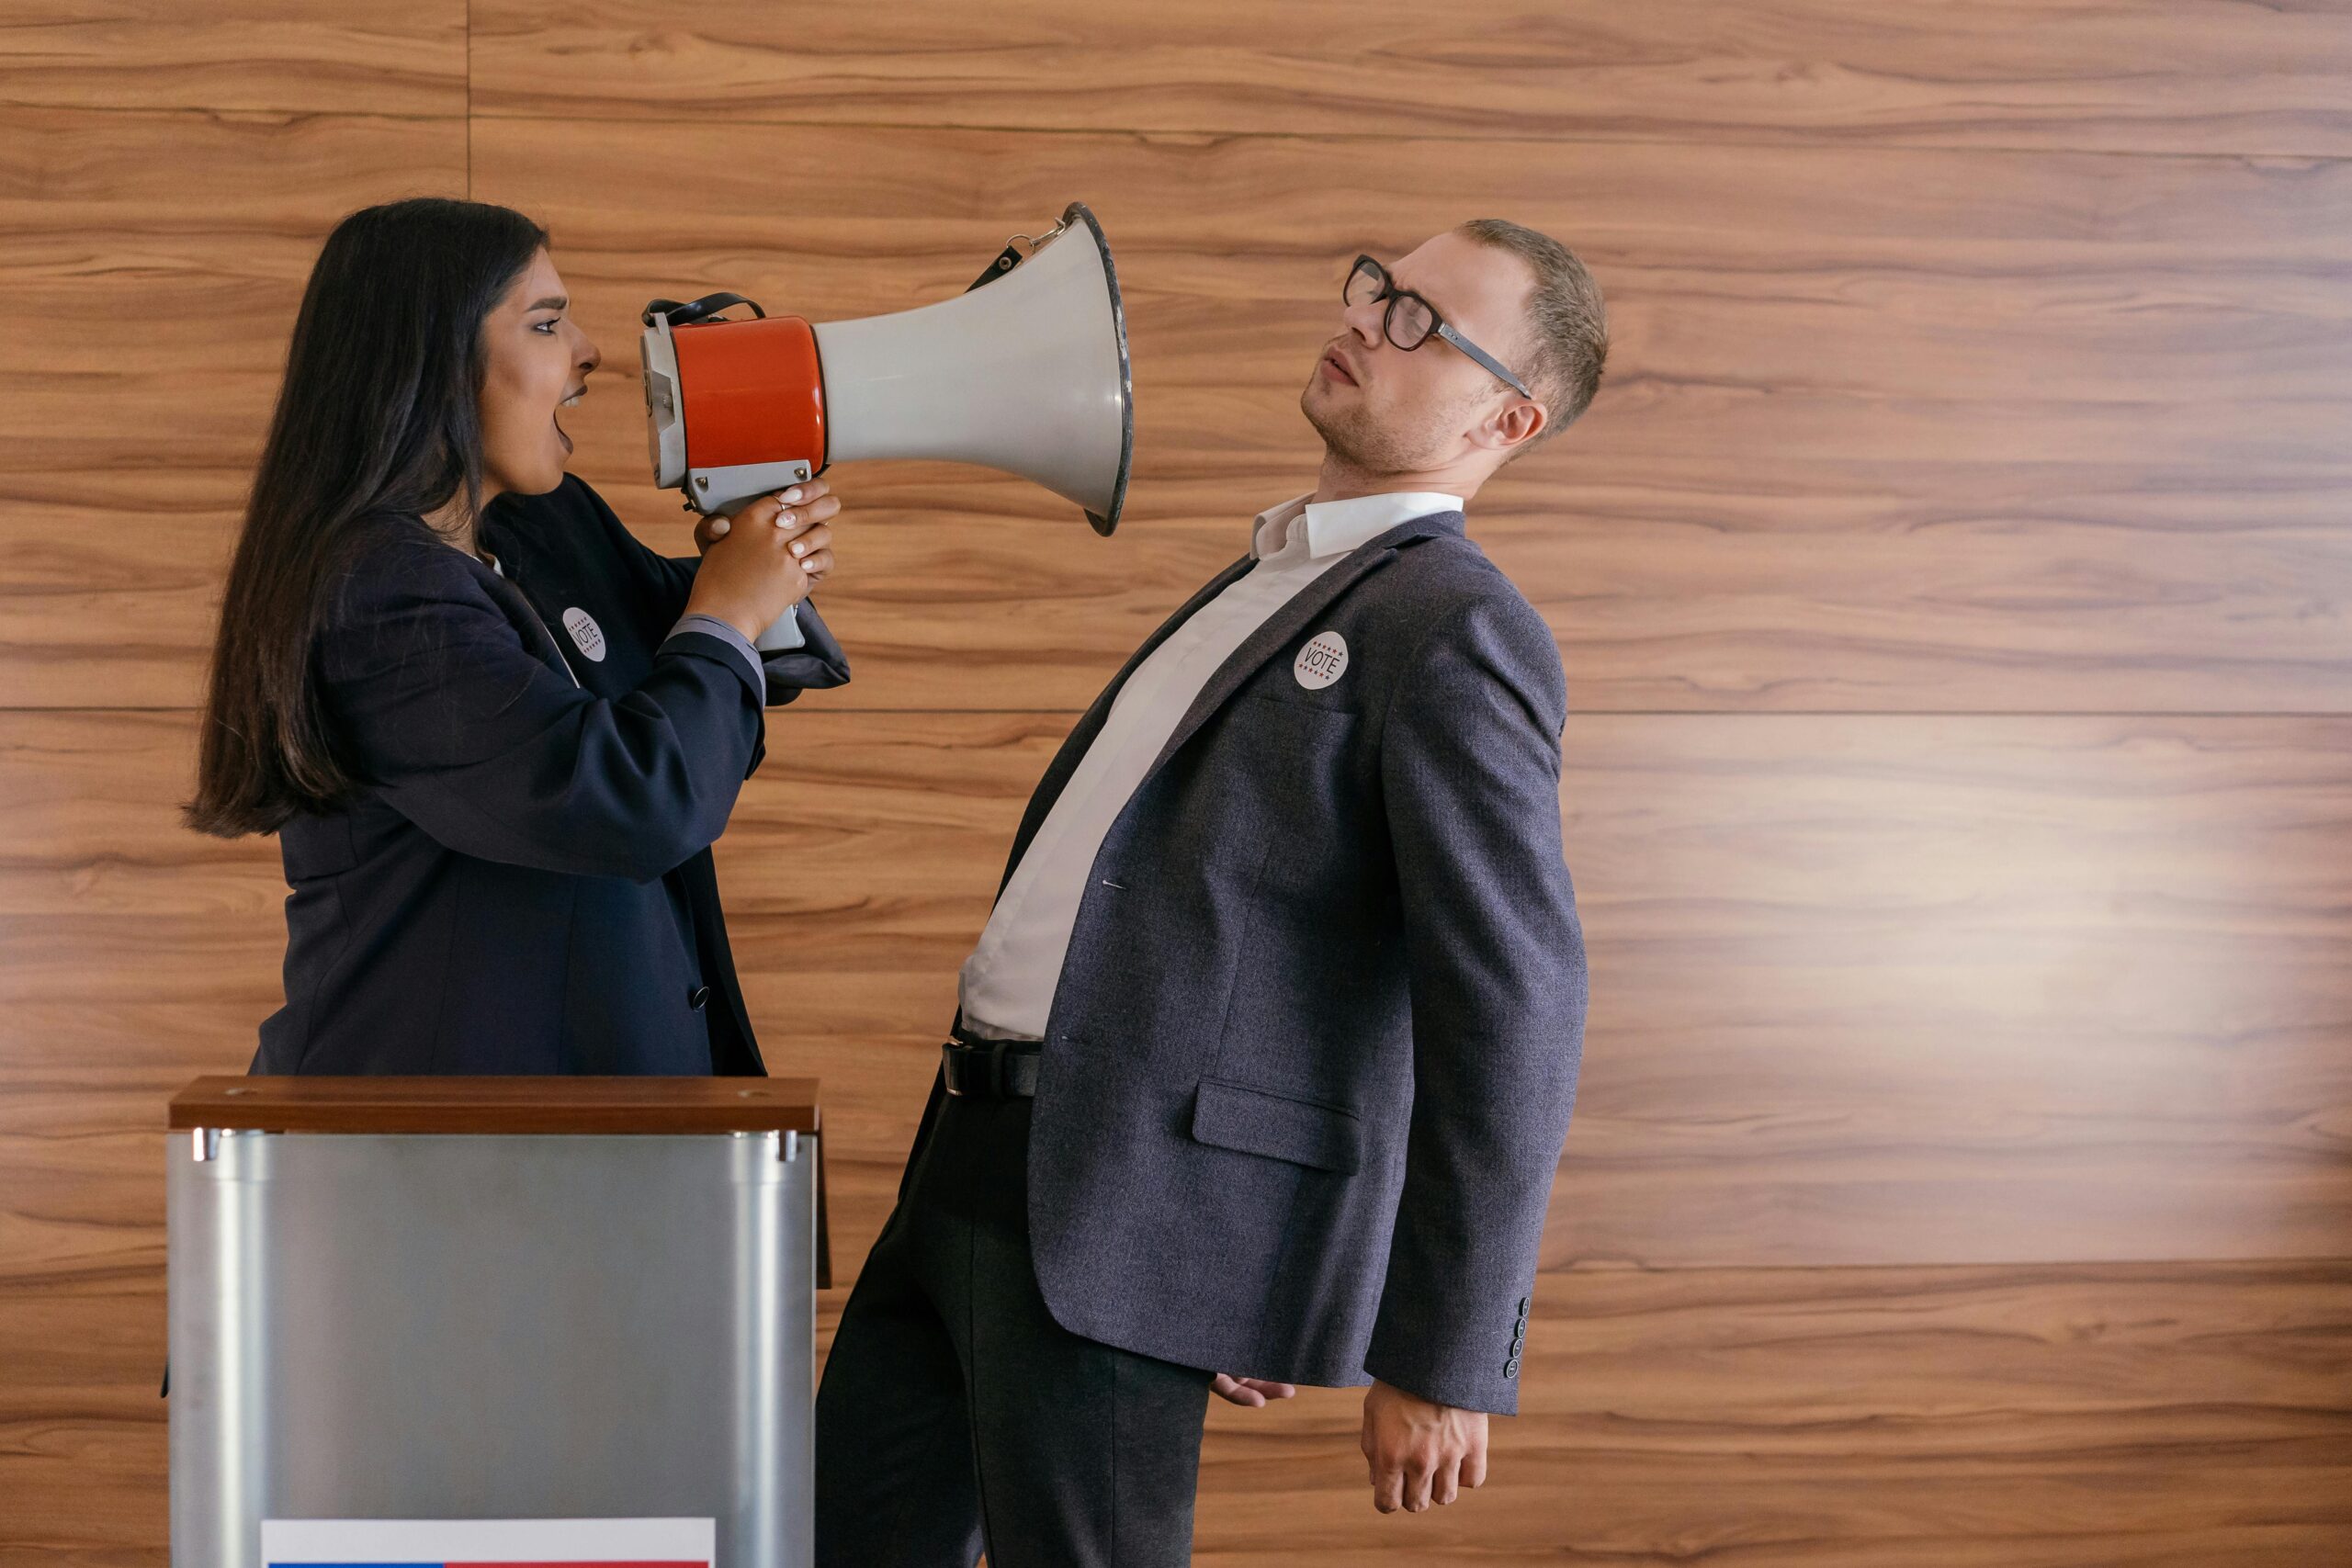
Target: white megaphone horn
(1028,374)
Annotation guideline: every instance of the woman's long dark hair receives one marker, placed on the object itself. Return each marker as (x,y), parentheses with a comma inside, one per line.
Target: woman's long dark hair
(378,416)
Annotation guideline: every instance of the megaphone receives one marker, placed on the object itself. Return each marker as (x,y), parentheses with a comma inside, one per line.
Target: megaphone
(1026,372)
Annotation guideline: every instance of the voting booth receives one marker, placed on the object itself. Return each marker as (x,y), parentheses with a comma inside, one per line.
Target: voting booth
(493,1320)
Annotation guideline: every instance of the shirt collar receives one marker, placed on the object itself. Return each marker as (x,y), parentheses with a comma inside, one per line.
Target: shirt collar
(1335,527)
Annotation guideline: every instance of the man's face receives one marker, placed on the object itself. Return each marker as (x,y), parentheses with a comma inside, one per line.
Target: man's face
(1384,410)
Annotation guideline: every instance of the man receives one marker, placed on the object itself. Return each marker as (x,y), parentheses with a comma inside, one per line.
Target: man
(1265,1058)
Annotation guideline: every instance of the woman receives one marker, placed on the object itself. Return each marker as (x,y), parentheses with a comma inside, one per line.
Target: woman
(495,733)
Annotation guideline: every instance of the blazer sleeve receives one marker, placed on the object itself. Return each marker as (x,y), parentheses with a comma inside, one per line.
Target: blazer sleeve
(438,702)
(1470,766)
(818,664)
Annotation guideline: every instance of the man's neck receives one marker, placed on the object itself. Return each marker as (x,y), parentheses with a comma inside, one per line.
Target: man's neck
(1344,481)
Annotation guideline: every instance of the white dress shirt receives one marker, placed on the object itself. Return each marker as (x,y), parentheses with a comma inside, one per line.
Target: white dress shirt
(1007,984)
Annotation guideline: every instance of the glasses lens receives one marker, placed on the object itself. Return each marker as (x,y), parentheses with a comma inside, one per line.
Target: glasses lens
(1409,321)
(1363,283)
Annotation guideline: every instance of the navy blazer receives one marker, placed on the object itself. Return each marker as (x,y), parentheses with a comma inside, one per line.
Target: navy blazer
(523,881)
(1315,1045)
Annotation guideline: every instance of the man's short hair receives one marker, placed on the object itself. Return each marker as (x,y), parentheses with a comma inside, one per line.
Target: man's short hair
(1570,329)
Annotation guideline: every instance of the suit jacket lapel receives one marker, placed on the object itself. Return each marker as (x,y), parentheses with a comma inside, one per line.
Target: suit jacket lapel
(1260,645)
(536,633)
(1089,724)
(1290,620)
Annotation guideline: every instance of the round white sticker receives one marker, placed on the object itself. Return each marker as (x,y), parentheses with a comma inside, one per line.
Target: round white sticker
(1323,660)
(585,632)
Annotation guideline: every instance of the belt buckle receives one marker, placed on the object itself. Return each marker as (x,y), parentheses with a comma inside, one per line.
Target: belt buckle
(994,1052)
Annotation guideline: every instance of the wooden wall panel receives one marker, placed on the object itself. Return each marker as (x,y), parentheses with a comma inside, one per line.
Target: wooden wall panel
(150,269)
(1950,579)
(2043,1417)
(1946,432)
(298,56)
(1867,991)
(1967,489)
(2197,77)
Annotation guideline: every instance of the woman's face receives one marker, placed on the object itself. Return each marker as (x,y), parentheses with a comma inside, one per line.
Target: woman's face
(536,364)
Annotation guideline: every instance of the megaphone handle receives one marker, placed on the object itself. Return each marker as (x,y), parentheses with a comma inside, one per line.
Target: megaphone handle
(782,635)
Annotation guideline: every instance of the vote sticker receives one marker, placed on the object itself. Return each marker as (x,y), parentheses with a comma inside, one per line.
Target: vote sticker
(585,632)
(1323,660)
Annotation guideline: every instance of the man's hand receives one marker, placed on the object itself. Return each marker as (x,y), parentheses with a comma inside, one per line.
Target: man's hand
(1419,1451)
(1249,1392)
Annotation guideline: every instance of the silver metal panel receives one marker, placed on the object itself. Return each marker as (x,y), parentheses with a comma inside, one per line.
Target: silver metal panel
(431,1326)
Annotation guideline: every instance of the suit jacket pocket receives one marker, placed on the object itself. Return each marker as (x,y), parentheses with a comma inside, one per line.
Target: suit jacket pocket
(1235,1116)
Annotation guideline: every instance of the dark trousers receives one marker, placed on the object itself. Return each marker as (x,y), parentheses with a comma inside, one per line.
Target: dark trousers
(956,1414)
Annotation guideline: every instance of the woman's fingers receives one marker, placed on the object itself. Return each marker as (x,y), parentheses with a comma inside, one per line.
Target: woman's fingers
(809,540)
(794,520)
(811,500)
(712,526)
(1234,1391)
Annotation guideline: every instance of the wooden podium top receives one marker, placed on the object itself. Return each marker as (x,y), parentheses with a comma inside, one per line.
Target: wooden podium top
(556,1103)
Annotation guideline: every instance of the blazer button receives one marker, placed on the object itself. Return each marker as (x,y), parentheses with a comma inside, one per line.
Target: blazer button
(700,995)
(1510,1368)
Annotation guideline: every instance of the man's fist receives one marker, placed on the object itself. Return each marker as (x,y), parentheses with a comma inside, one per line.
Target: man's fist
(1420,1451)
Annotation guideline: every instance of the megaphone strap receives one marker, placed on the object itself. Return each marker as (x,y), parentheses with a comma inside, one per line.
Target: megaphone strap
(693,310)
(1012,255)
(1006,259)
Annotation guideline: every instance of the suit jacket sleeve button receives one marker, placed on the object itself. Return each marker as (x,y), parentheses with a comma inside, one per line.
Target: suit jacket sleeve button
(1510,1368)
(701,994)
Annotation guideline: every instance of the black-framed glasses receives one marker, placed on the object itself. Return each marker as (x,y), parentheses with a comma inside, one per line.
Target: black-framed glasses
(1412,321)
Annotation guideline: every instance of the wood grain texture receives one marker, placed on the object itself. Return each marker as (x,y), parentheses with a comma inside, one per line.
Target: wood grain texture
(269,56)
(2029,1418)
(1951,582)
(1934,430)
(1949,430)
(1866,990)
(150,269)
(2185,76)
(2169,1415)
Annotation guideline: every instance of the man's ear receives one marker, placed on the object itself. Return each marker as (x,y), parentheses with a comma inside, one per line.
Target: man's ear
(1516,424)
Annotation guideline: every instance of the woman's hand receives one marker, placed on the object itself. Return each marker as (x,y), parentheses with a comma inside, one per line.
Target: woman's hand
(811,498)
(763,561)
(1248,1393)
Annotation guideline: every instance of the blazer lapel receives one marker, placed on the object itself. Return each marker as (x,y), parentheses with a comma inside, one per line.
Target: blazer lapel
(1284,623)
(1073,749)
(536,634)
(1290,620)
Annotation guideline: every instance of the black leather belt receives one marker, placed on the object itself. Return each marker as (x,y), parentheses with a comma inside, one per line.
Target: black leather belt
(988,1069)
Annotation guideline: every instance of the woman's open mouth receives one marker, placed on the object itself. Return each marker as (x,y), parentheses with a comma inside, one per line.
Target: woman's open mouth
(570,402)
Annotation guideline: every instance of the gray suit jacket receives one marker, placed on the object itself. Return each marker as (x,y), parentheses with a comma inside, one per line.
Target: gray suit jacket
(1313,1052)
